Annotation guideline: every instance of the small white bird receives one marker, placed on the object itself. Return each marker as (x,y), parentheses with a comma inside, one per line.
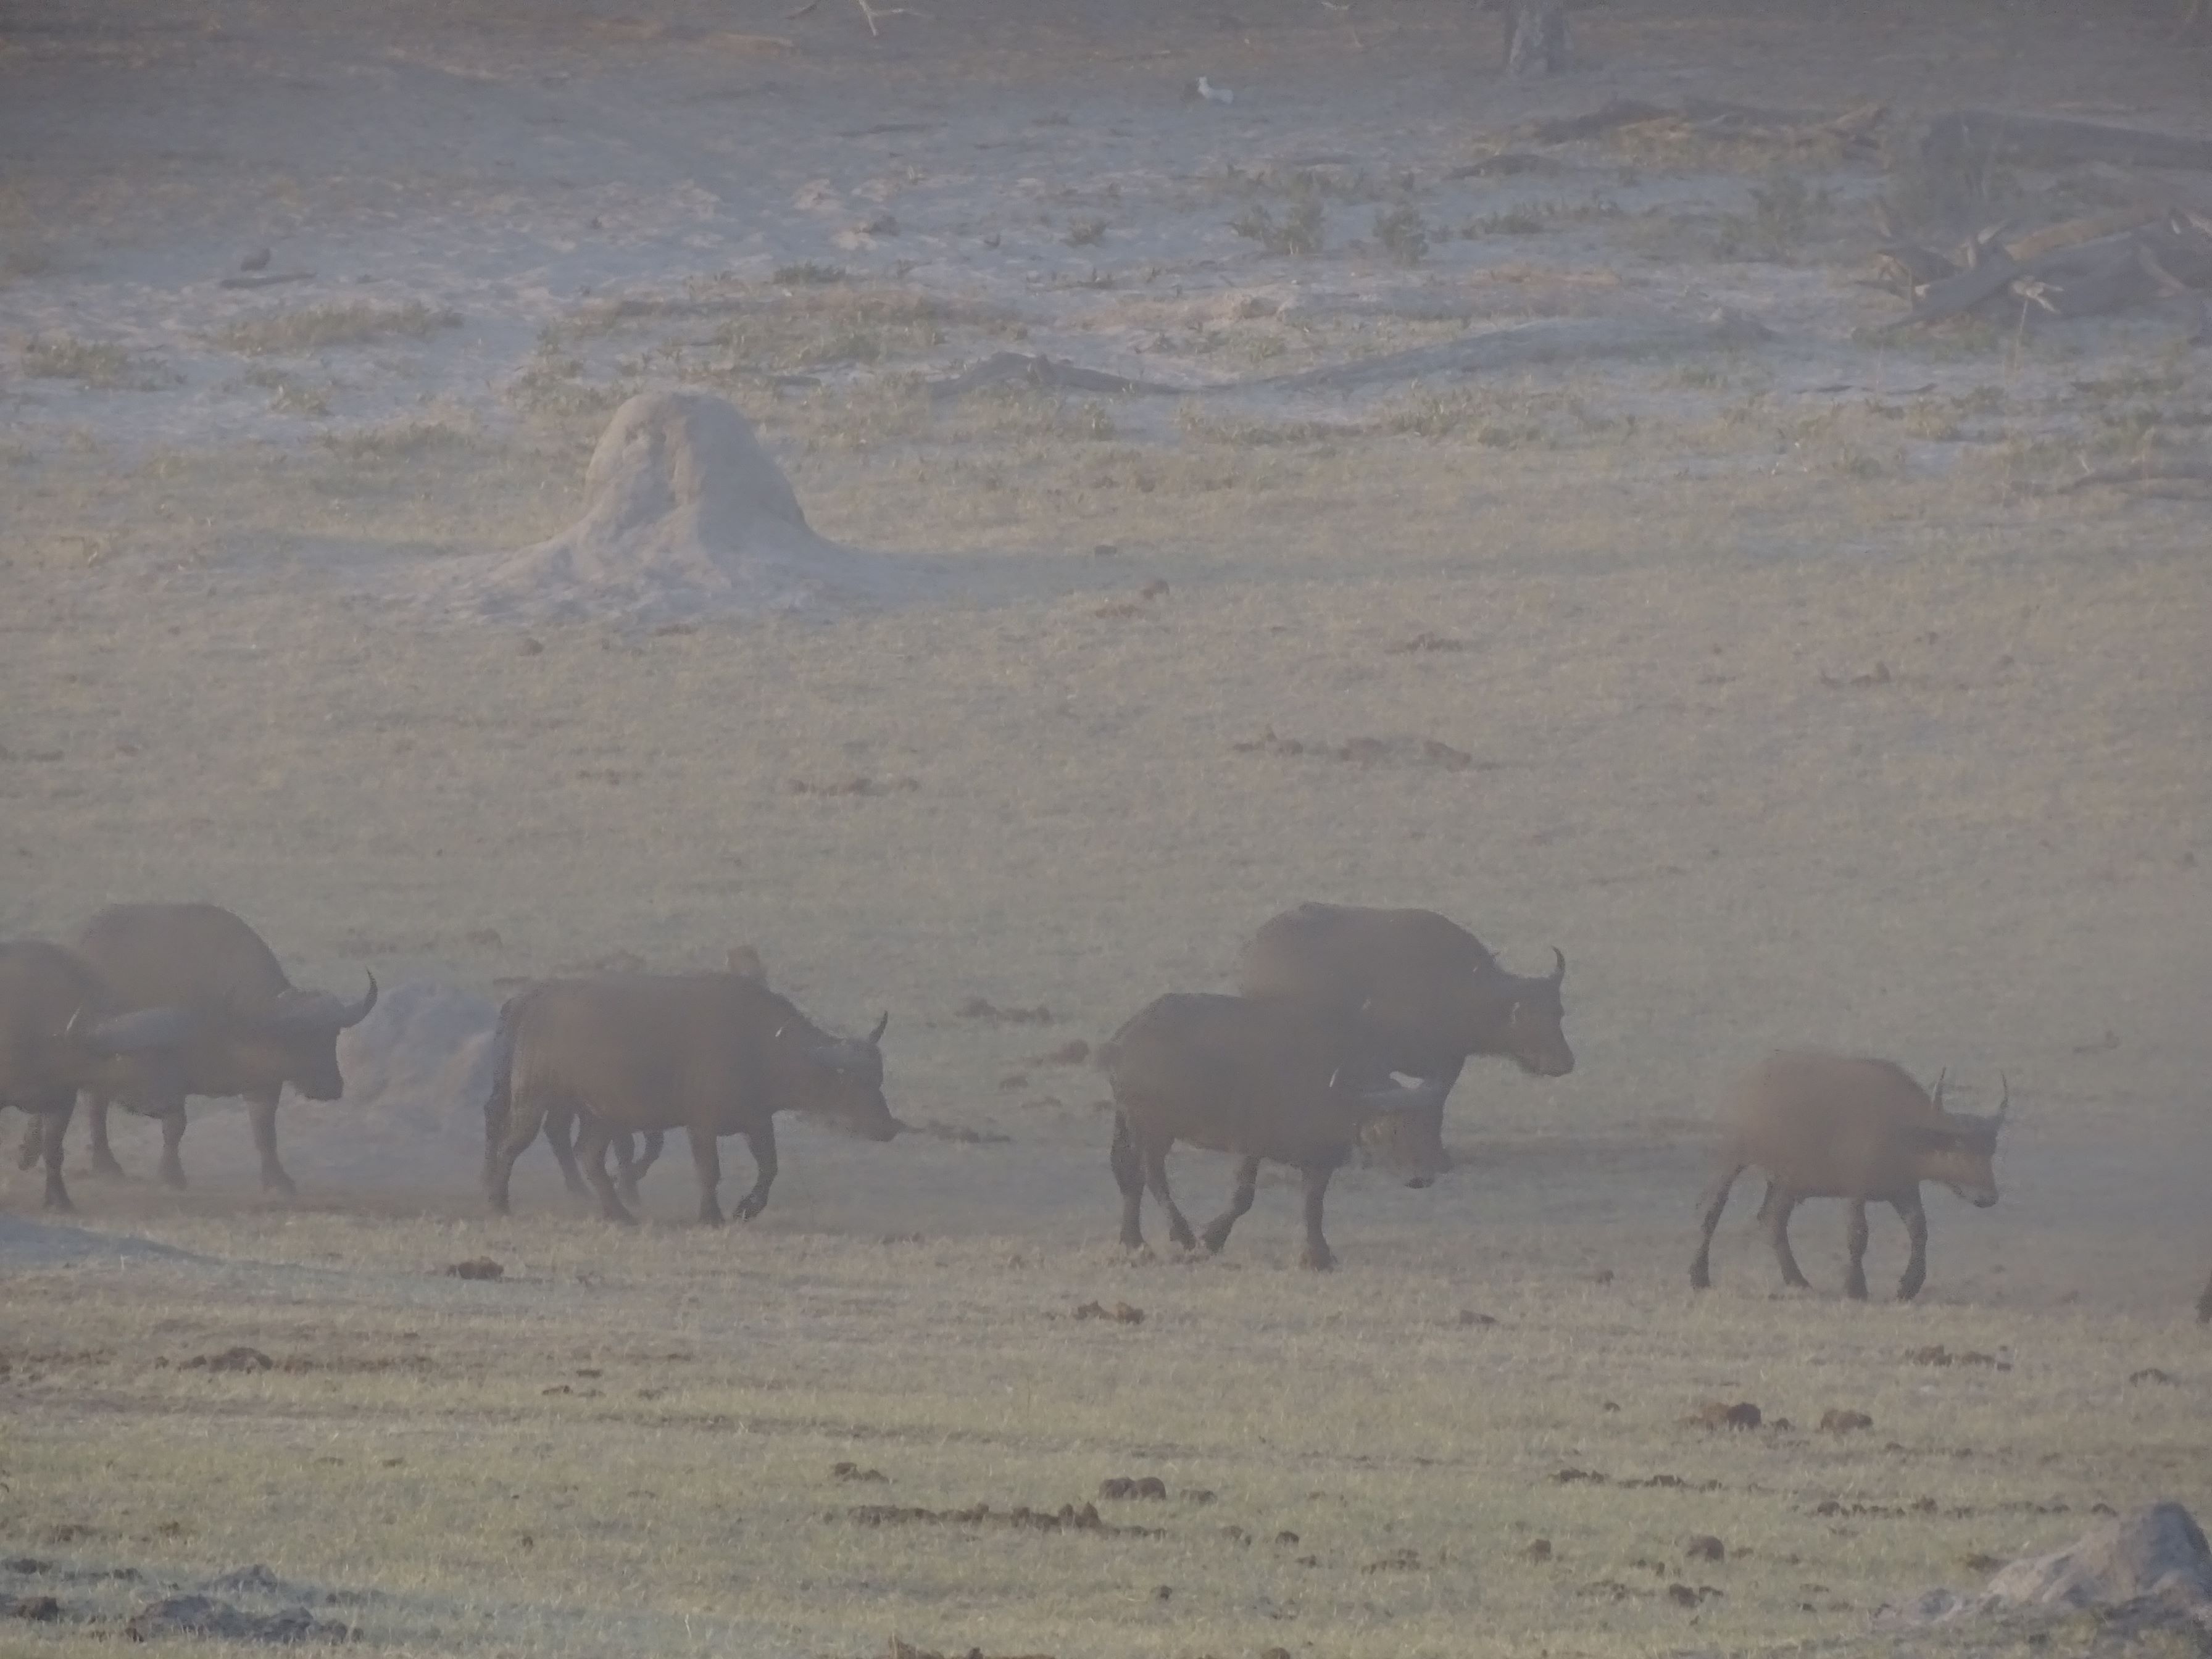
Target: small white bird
(1214,94)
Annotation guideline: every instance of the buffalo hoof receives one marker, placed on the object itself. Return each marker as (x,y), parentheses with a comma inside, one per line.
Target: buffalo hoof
(1701,1278)
(1183,1238)
(1317,1259)
(622,1218)
(104,1164)
(1855,1289)
(628,1190)
(271,1182)
(1907,1290)
(710,1215)
(172,1175)
(58,1200)
(1213,1238)
(750,1207)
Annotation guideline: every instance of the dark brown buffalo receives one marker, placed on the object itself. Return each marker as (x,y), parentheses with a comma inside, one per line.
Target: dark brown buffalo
(61,1031)
(1427,994)
(1267,1080)
(631,1163)
(253,1030)
(1824,1126)
(713,1054)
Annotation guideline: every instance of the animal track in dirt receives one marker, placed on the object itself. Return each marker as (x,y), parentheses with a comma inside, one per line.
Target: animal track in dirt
(1366,751)
(1068,1517)
(481,1267)
(1721,1414)
(983,1009)
(859,784)
(1424,642)
(1572,1476)
(1937,1354)
(899,1650)
(1120,1314)
(239,1358)
(1122,1485)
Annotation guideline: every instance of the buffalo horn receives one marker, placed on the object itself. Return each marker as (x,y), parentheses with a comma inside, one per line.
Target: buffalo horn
(1938,1099)
(133,1033)
(2004,1095)
(355,1013)
(875,1037)
(1559,971)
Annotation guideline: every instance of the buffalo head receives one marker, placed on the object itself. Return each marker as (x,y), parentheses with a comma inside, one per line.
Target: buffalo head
(300,1033)
(842,1080)
(1962,1152)
(1524,1019)
(1401,1129)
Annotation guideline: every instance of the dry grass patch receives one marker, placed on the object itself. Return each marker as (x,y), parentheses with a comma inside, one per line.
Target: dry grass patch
(326,327)
(103,365)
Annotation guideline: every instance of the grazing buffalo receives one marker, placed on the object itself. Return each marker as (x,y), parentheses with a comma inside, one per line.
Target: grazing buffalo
(1426,991)
(710,1054)
(1823,1126)
(1265,1080)
(251,1031)
(60,1031)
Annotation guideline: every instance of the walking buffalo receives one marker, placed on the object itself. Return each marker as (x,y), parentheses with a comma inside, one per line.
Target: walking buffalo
(1266,1079)
(1427,992)
(710,1054)
(252,1032)
(1823,1126)
(61,1031)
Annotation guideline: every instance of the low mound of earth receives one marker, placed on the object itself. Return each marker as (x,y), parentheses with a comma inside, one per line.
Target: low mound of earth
(685,515)
(2148,1567)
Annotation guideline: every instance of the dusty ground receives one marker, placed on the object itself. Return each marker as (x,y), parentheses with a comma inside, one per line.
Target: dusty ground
(1792,704)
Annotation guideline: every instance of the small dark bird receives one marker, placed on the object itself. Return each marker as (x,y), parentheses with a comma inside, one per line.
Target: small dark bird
(257,260)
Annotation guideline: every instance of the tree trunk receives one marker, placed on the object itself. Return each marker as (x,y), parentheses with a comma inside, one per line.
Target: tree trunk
(1537,42)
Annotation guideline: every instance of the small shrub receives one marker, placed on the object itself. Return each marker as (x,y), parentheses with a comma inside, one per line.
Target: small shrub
(1300,231)
(1404,237)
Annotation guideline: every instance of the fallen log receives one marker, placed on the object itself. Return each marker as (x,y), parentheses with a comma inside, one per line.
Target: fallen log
(1962,292)
(1977,137)
(2088,228)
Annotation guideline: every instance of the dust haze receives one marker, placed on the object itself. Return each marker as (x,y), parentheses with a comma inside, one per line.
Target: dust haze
(1627,509)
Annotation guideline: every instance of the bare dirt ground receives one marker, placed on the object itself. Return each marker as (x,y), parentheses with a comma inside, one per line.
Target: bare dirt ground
(1771,682)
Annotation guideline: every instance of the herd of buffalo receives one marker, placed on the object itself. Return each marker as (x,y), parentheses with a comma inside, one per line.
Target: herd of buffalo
(153,1003)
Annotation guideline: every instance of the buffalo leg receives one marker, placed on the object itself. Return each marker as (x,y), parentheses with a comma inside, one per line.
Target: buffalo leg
(634,1164)
(1780,1206)
(1130,1177)
(1156,1178)
(1715,1200)
(262,1110)
(560,1135)
(96,1117)
(172,1137)
(762,1143)
(1248,1181)
(1318,1255)
(34,1144)
(53,1126)
(707,1161)
(1856,1244)
(525,1117)
(592,1138)
(1915,1228)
